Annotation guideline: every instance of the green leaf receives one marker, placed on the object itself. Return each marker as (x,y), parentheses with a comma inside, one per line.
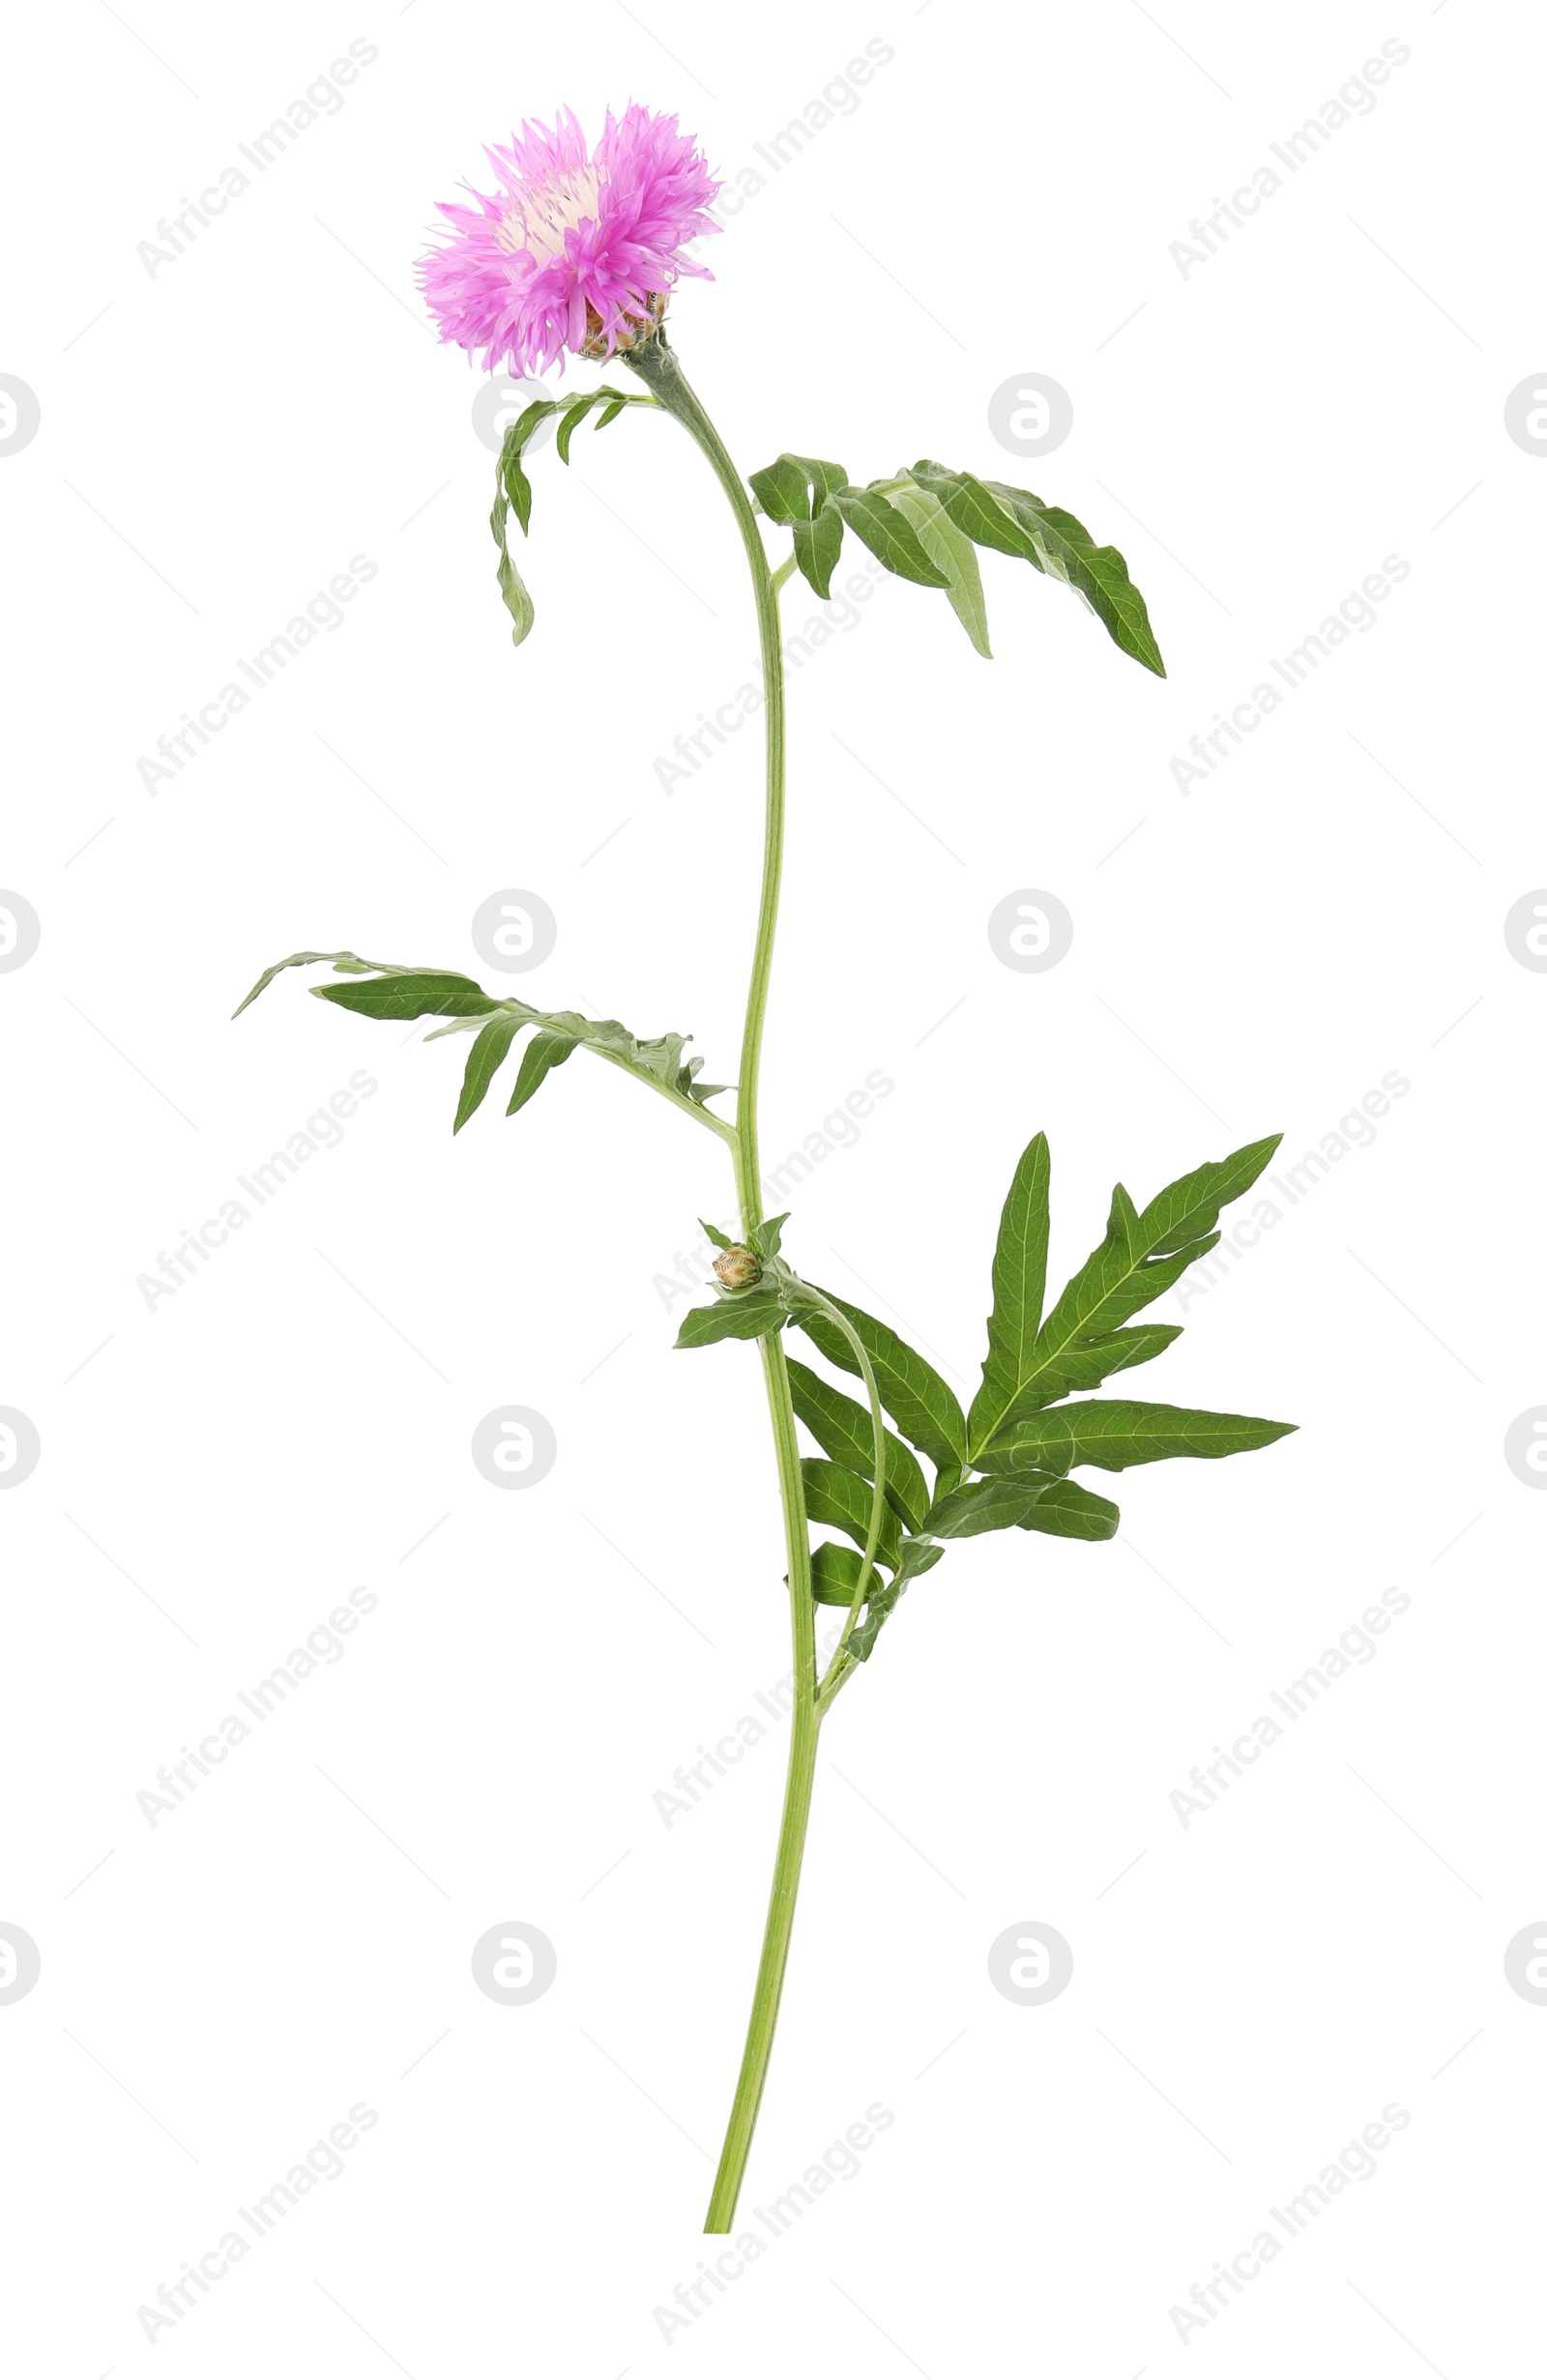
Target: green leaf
(484,1061)
(1095,1361)
(913,1392)
(879,1604)
(752,1314)
(918,1554)
(1069,1510)
(781,489)
(842,1429)
(951,550)
(818,543)
(1067,550)
(1020,1278)
(716,1237)
(890,536)
(395,999)
(1012,521)
(765,1238)
(1140,1257)
(839,1498)
(513,590)
(794,487)
(982,1505)
(836,1572)
(342,963)
(1116,1433)
(543,1051)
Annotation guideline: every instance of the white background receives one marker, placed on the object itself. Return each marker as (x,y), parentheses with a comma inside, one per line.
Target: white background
(218,439)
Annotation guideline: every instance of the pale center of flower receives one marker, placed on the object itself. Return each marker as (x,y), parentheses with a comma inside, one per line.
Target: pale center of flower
(539,218)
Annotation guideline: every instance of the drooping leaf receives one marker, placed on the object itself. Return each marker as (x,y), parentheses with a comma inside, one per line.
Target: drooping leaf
(889,534)
(1116,1433)
(983,1504)
(839,1498)
(1013,521)
(342,963)
(1139,1257)
(484,1059)
(1020,1279)
(513,489)
(920,1404)
(395,999)
(542,1053)
(513,587)
(1069,1510)
(818,543)
(754,1313)
(843,1427)
(951,550)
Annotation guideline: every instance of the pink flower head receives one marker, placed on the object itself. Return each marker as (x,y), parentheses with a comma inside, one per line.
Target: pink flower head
(571,250)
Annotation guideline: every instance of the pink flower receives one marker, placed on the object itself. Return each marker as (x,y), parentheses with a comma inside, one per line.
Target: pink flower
(573,251)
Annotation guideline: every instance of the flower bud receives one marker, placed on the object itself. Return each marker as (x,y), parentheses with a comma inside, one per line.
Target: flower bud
(738,1268)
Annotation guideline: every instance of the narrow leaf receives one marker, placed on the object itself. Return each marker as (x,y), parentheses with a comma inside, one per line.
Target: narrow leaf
(1093,1361)
(397,998)
(543,1051)
(951,550)
(840,1498)
(1020,1278)
(1114,1432)
(842,1429)
(1140,1257)
(342,963)
(484,1061)
(751,1315)
(913,1392)
(982,1505)
(1069,1510)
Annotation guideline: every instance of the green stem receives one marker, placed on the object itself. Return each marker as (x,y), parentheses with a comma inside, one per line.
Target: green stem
(658,366)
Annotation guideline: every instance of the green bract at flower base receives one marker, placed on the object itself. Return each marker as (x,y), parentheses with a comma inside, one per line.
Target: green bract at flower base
(1007,1463)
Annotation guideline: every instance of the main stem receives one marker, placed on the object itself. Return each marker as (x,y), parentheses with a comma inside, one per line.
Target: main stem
(658,366)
